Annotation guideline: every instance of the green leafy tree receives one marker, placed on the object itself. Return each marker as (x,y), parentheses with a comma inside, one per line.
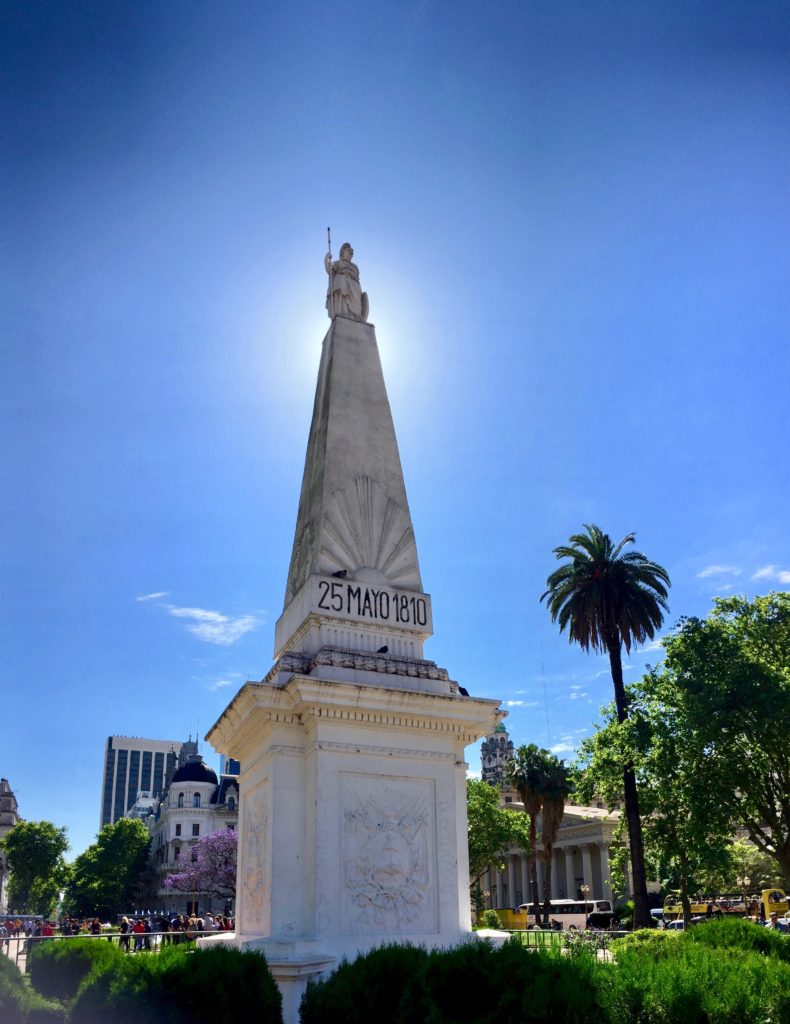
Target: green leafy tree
(525,772)
(492,829)
(686,831)
(106,876)
(743,860)
(608,599)
(34,850)
(731,677)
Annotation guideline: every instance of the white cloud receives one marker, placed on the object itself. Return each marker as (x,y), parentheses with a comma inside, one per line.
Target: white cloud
(770,572)
(563,748)
(220,683)
(718,570)
(214,627)
(577,686)
(521,703)
(470,774)
(154,597)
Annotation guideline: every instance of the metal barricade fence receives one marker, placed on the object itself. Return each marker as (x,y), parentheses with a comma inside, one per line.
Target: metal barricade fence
(16,948)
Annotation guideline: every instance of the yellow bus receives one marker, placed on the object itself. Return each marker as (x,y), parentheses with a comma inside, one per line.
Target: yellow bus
(758,906)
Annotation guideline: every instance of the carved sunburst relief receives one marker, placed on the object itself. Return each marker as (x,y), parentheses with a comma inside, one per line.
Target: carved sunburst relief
(363,528)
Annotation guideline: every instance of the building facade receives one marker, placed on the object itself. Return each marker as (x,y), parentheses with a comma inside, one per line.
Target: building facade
(131,765)
(580,857)
(195,804)
(9,816)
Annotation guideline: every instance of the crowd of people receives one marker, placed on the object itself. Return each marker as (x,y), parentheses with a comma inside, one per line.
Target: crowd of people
(135,933)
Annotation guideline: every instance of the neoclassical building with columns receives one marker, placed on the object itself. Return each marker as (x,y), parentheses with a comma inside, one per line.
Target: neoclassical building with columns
(581,853)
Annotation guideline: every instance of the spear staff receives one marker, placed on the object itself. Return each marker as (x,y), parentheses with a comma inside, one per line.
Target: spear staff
(331,276)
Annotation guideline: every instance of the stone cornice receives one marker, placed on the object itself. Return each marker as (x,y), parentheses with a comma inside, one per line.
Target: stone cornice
(307,700)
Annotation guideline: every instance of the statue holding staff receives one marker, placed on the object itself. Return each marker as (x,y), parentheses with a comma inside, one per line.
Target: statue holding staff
(344,296)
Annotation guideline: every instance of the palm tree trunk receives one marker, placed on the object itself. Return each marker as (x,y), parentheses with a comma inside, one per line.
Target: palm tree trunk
(546,884)
(533,866)
(631,799)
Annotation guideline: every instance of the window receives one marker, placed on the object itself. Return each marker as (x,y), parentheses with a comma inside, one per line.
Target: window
(231,803)
(196,800)
(178,830)
(193,857)
(196,829)
(177,853)
(180,799)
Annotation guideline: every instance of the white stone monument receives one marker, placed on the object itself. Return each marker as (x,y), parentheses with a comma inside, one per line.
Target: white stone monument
(353,786)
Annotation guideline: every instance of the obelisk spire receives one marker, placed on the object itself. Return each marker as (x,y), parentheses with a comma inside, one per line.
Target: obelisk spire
(353,523)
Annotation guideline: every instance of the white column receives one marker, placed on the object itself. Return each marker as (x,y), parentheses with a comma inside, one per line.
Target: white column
(525,893)
(499,891)
(511,883)
(606,891)
(555,875)
(540,877)
(587,868)
(570,875)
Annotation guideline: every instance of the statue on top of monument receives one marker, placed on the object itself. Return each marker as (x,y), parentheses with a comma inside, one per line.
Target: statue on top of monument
(344,296)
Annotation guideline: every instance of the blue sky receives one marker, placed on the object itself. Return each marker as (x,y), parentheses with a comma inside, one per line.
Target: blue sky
(572,222)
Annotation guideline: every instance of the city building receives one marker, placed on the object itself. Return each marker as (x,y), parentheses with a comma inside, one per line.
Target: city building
(196,803)
(131,765)
(580,857)
(9,816)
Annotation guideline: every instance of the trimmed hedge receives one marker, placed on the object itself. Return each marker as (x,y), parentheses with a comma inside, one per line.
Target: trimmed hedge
(58,967)
(472,984)
(180,986)
(20,1005)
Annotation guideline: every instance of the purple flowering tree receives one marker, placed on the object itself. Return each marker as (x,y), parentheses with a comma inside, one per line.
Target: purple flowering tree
(213,869)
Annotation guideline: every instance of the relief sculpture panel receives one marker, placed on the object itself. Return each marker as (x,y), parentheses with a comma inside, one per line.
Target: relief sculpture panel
(253,895)
(389,855)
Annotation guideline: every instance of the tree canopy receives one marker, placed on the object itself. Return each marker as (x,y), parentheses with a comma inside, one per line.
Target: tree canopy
(731,677)
(35,852)
(213,870)
(707,736)
(492,829)
(105,879)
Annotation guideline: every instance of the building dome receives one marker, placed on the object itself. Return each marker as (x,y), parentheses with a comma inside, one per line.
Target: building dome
(195,771)
(500,727)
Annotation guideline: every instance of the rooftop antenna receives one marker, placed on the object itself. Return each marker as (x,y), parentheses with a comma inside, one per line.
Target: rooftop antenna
(545,696)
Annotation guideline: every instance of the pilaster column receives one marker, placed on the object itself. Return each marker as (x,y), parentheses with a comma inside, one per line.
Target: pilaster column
(587,868)
(570,875)
(605,869)
(555,875)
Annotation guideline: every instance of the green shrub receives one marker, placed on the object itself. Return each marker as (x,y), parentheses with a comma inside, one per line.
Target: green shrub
(676,982)
(489,919)
(12,991)
(180,986)
(18,1003)
(58,967)
(378,985)
(658,942)
(738,933)
(475,983)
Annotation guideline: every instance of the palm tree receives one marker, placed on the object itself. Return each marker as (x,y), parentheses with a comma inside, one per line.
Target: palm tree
(525,774)
(607,600)
(556,787)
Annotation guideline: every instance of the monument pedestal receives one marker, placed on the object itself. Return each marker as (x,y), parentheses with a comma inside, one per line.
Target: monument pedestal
(352,825)
(353,820)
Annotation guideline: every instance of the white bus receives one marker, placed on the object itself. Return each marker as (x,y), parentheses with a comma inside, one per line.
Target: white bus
(572,914)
